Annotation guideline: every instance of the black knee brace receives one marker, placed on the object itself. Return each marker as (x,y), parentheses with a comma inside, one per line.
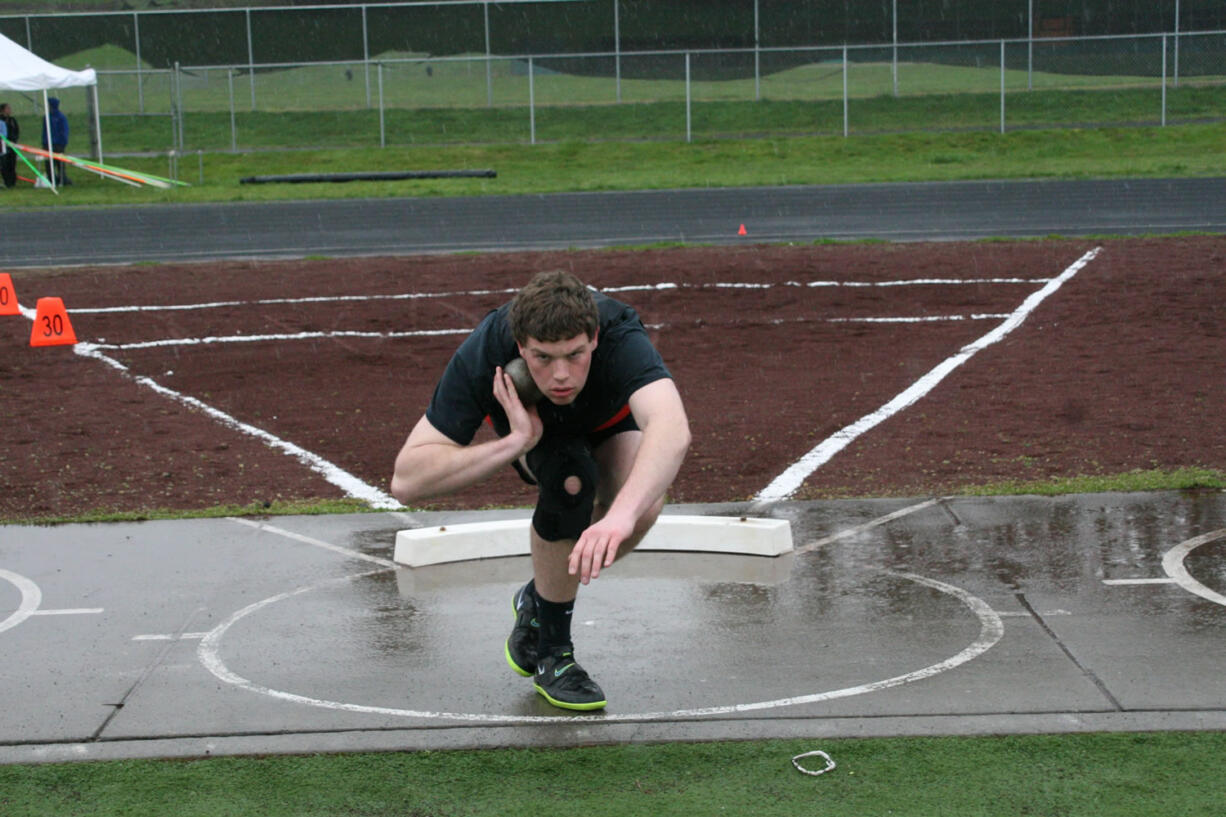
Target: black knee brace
(559,513)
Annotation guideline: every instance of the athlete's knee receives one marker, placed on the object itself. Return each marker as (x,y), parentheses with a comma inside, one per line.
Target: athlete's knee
(567,476)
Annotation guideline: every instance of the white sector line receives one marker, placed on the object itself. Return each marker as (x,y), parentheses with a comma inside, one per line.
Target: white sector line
(787,483)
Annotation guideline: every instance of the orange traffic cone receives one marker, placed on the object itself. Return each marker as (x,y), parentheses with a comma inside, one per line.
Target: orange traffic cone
(51,324)
(8,296)
(742,231)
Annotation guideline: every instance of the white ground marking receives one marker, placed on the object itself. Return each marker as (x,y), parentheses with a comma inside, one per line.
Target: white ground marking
(308,540)
(350,333)
(1126,582)
(31,597)
(906,282)
(347,482)
(169,637)
(339,333)
(407,296)
(786,484)
(305,300)
(991,630)
(350,484)
(1172,563)
(858,529)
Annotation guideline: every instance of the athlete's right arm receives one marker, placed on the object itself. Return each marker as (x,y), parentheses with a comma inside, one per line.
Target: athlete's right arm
(432,464)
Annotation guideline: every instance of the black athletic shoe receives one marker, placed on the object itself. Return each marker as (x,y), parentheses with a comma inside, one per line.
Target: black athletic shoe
(565,684)
(521,644)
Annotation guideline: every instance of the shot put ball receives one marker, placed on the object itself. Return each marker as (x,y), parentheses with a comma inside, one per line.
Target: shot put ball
(525,386)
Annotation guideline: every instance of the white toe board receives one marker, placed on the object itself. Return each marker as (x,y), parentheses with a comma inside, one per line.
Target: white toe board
(439,544)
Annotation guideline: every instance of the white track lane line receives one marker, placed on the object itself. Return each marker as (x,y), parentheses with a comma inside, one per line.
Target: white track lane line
(787,483)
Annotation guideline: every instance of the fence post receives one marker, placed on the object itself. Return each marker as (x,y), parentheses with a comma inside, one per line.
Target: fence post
(382,128)
(846,126)
(233,127)
(250,59)
(1030,46)
(140,85)
(531,104)
(1002,86)
(687,97)
(178,106)
(894,57)
(1164,80)
(366,55)
(174,113)
(489,76)
(1176,66)
(757,55)
(617,49)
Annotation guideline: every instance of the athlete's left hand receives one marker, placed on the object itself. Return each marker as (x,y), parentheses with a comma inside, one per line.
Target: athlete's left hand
(597,547)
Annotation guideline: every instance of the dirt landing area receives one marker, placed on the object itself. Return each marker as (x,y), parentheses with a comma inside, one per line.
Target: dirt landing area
(774,349)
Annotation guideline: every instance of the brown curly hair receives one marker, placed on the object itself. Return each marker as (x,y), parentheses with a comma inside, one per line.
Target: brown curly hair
(553,306)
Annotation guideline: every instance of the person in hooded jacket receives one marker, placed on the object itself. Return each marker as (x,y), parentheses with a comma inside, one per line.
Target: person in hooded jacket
(57,142)
(8,156)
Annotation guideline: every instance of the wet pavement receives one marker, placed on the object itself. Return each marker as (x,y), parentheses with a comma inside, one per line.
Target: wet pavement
(909,211)
(893,617)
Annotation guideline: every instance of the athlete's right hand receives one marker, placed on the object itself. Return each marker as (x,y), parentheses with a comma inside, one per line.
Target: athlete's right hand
(525,422)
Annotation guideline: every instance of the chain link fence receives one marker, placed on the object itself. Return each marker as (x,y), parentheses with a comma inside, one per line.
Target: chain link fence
(429,73)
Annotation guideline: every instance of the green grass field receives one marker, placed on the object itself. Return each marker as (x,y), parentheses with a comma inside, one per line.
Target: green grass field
(1187,150)
(1122,775)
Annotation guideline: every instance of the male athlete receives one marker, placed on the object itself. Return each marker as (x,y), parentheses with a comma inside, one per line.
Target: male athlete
(603,444)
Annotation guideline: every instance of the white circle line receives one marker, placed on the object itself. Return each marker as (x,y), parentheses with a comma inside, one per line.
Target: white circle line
(1172,563)
(31,598)
(991,630)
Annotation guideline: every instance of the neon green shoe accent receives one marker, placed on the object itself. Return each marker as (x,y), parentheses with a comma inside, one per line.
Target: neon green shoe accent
(583,707)
(506,650)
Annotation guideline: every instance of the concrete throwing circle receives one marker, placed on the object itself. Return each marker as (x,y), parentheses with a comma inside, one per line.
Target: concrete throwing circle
(31,598)
(1172,564)
(991,630)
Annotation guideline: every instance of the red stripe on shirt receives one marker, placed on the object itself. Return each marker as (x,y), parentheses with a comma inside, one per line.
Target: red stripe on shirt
(617,418)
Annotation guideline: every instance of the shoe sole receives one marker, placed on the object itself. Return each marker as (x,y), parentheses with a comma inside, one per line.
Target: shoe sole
(578,707)
(506,649)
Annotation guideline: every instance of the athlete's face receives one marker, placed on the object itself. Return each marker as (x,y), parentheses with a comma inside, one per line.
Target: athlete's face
(560,368)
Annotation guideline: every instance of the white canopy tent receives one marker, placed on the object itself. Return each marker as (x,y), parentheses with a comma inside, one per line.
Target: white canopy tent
(22,70)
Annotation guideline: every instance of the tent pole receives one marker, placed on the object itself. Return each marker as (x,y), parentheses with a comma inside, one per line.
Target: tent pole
(97,121)
(47,132)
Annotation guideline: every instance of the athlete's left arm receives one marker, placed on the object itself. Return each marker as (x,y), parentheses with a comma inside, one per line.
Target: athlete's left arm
(660,414)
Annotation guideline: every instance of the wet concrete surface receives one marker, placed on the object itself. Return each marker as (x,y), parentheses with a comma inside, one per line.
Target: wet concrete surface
(893,617)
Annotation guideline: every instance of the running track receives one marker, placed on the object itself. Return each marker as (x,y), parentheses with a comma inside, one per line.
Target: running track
(68,236)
